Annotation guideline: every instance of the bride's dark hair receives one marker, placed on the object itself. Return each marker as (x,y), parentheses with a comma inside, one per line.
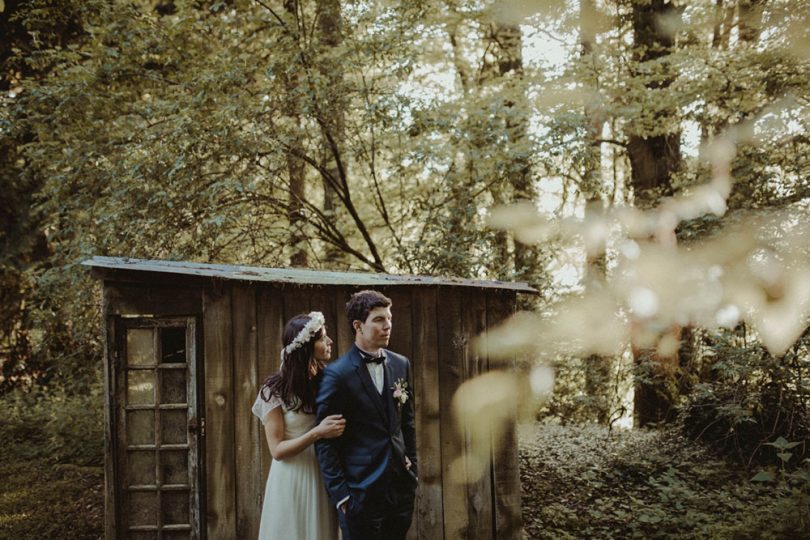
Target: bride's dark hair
(293,382)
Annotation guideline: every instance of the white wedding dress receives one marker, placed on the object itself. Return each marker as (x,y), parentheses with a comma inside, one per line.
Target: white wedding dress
(296,505)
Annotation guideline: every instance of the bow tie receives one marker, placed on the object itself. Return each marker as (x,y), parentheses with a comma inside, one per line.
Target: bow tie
(367,358)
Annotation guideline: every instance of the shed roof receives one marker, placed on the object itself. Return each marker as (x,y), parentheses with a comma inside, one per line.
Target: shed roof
(293,275)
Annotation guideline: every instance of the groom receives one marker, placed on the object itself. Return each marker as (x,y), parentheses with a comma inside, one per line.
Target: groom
(370,471)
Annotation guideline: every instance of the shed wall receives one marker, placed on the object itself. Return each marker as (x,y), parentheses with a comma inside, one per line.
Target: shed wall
(433,326)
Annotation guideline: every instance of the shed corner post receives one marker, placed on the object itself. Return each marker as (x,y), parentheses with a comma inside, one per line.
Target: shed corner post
(506,461)
(110,448)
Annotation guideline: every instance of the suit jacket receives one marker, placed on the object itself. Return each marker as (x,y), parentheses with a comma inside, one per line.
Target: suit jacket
(377,434)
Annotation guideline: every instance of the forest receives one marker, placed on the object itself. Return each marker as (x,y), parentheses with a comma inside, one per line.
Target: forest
(643,164)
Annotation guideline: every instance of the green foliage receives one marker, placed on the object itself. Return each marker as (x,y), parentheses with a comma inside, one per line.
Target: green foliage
(586,483)
(51,456)
(53,426)
(170,133)
(572,403)
(750,403)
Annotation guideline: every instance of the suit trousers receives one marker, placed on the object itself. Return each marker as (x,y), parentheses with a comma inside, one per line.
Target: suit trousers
(386,516)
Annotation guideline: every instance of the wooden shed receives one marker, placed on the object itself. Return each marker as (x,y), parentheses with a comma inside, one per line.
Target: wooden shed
(187,346)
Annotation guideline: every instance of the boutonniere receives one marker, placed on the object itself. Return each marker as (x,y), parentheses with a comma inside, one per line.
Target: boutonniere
(400,390)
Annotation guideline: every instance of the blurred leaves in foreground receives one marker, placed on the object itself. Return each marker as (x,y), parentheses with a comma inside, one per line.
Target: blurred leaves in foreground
(754,272)
(757,272)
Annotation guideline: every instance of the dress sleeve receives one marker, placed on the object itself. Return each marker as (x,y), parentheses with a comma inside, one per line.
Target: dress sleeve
(262,407)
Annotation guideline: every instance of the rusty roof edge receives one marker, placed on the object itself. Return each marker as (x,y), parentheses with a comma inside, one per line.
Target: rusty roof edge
(293,275)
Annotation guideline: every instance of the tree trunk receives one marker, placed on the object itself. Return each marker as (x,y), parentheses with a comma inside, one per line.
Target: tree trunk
(653,161)
(728,24)
(333,115)
(527,265)
(597,368)
(750,20)
(295,170)
(653,158)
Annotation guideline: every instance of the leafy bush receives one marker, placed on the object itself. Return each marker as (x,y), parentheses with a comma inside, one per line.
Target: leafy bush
(588,390)
(749,398)
(54,425)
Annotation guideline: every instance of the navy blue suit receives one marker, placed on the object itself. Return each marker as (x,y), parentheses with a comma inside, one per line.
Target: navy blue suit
(367,462)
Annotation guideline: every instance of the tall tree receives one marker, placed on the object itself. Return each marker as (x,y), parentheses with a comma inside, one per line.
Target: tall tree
(487,54)
(508,47)
(295,167)
(597,368)
(654,150)
(332,114)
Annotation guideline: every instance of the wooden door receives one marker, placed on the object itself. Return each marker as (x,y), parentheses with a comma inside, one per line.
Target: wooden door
(157,430)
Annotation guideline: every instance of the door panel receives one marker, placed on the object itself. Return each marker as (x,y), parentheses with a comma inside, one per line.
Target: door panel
(157,429)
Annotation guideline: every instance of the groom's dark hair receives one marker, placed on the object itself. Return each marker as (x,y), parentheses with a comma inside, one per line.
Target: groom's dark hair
(361,303)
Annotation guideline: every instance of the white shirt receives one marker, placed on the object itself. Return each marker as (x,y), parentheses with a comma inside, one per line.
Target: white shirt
(377,372)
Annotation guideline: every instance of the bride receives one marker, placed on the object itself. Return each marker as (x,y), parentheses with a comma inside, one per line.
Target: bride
(296,504)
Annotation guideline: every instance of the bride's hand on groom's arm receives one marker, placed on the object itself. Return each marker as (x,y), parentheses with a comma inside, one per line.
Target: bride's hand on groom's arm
(331,427)
(281,448)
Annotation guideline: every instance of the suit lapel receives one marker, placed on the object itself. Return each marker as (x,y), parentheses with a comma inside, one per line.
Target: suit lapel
(368,384)
(388,397)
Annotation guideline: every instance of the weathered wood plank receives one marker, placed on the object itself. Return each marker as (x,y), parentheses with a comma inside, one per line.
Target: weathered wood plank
(296,301)
(110,423)
(428,516)
(151,300)
(476,446)
(248,436)
(194,358)
(343,335)
(401,331)
(270,317)
(451,374)
(506,465)
(402,343)
(219,412)
(122,480)
(322,299)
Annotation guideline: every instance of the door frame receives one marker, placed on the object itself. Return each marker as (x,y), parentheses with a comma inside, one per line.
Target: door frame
(115,411)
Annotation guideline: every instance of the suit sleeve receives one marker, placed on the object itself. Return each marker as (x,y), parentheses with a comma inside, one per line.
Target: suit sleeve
(331,400)
(409,425)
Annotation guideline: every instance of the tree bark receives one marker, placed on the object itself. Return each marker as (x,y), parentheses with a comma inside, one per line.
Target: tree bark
(653,161)
(597,368)
(333,114)
(653,158)
(510,64)
(295,170)
(750,20)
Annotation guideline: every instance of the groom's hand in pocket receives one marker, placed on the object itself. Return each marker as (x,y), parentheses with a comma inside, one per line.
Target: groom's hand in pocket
(408,466)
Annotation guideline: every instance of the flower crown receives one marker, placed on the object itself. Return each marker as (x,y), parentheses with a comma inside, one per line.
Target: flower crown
(315,323)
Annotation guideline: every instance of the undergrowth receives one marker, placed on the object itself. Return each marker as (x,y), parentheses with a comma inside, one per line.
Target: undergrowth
(51,457)
(582,482)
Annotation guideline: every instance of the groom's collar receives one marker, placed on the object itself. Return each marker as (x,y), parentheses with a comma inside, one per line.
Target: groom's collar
(364,352)
(360,354)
